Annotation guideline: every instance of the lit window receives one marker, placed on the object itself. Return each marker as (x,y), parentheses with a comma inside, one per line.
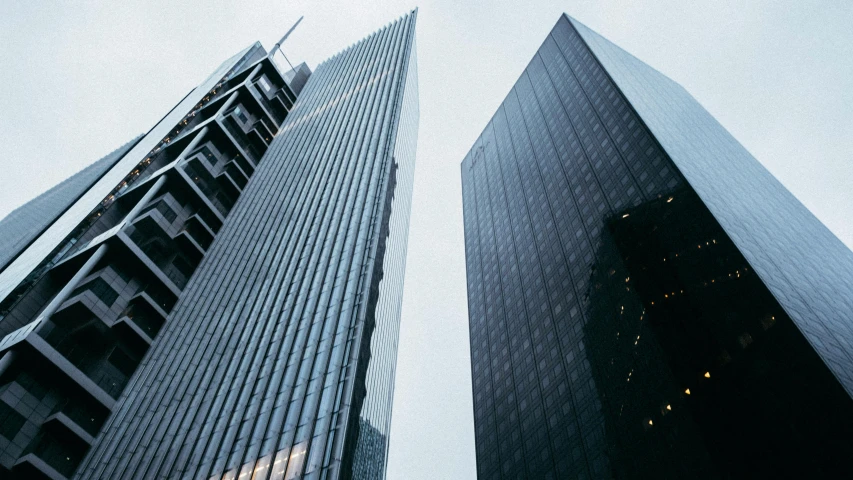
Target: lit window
(707,374)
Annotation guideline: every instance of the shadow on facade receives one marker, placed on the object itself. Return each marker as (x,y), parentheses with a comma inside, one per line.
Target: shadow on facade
(699,370)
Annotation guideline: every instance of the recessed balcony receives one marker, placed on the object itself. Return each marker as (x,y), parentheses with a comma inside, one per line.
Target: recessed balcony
(143,316)
(80,416)
(52,454)
(33,466)
(209,187)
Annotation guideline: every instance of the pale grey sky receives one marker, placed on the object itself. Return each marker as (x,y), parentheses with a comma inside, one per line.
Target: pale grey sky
(79,80)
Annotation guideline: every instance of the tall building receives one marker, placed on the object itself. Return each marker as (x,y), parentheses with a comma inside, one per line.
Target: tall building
(645,299)
(224,301)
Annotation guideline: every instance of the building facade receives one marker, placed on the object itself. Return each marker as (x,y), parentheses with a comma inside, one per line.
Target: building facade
(224,300)
(645,299)
(27,222)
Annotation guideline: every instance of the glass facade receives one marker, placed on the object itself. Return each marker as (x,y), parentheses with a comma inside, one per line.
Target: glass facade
(632,306)
(26,222)
(277,361)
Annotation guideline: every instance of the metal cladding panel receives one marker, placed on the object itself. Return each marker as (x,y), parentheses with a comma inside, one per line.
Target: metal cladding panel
(29,259)
(278,360)
(808,269)
(637,287)
(26,222)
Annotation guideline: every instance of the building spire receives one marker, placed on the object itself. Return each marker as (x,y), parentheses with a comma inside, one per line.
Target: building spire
(277,46)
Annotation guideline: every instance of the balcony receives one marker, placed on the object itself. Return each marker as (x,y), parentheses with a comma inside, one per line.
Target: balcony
(157,297)
(143,316)
(245,166)
(91,350)
(61,420)
(163,224)
(232,178)
(176,257)
(91,301)
(198,230)
(209,187)
(207,154)
(164,212)
(268,102)
(86,419)
(284,99)
(51,454)
(241,140)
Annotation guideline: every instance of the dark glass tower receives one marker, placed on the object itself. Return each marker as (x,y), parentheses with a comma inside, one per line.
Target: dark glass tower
(224,301)
(645,299)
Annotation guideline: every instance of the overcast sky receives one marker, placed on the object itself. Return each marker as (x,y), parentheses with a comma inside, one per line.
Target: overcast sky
(76,81)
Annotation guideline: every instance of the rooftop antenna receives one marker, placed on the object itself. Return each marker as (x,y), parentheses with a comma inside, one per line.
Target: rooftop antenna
(277,46)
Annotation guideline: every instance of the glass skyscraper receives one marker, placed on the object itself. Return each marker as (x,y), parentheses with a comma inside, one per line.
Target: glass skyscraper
(220,298)
(645,299)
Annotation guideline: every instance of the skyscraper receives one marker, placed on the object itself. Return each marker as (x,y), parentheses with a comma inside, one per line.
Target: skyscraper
(224,301)
(645,299)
